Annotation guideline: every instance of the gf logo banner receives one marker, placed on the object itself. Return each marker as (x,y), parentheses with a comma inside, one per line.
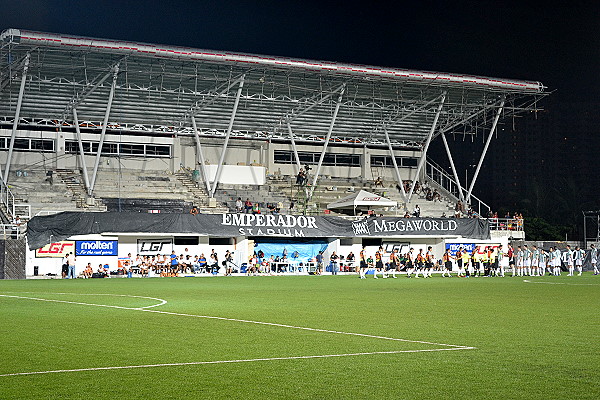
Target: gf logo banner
(154,246)
(56,250)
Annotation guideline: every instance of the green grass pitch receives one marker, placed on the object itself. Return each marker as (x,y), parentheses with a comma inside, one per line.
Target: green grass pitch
(530,340)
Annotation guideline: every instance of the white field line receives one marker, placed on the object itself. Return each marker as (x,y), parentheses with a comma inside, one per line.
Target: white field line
(232,361)
(145,309)
(160,301)
(563,283)
(238,320)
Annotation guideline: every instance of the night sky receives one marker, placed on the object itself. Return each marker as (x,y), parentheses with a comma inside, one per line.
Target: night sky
(558,46)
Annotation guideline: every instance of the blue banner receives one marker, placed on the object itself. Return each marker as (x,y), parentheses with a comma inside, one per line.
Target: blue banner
(469,247)
(96,248)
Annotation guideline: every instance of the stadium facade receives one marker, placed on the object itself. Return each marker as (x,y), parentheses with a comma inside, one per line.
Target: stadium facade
(80,103)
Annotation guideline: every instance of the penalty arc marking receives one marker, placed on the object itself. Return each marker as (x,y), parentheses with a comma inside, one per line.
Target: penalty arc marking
(446,346)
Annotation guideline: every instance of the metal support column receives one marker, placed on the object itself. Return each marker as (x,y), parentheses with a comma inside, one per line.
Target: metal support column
(103,133)
(426,147)
(335,113)
(296,157)
(398,177)
(584,230)
(461,195)
(86,179)
(485,149)
(16,121)
(229,128)
(200,155)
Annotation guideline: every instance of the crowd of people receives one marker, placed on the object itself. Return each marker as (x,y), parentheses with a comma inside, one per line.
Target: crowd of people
(172,264)
(249,207)
(422,189)
(488,261)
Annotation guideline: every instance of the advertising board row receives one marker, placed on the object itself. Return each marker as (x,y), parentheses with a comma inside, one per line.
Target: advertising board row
(102,247)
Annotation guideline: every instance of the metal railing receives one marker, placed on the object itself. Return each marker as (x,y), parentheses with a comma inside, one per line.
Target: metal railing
(11,231)
(446,182)
(506,224)
(13,209)
(7,198)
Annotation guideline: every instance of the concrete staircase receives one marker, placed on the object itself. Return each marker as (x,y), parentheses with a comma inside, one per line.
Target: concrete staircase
(74,182)
(265,194)
(200,196)
(330,189)
(44,198)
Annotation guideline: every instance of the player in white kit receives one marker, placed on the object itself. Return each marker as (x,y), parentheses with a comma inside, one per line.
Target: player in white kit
(579,256)
(567,258)
(557,261)
(594,258)
(503,260)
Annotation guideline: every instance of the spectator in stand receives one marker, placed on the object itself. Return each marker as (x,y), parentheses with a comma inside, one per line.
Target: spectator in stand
(88,271)
(460,208)
(71,262)
(65,266)
(319,259)
(378,182)
(255,208)
(436,195)
(49,177)
(407,215)
(334,263)
(174,262)
(417,211)
(194,210)
(301,177)
(417,187)
(247,206)
(350,262)
(202,263)
(239,205)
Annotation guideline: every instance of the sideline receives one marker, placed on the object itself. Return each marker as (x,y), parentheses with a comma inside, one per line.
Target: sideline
(563,283)
(232,361)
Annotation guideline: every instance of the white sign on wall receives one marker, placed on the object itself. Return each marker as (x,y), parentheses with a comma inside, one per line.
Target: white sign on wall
(154,246)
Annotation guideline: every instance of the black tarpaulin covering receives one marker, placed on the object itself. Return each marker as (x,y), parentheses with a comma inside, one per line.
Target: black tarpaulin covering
(54,228)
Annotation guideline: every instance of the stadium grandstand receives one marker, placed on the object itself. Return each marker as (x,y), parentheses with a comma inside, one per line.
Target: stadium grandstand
(89,124)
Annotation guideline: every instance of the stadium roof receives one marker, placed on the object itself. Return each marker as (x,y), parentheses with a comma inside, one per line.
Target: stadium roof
(159,88)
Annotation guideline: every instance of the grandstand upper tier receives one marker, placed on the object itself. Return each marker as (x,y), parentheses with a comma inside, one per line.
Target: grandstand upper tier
(158,88)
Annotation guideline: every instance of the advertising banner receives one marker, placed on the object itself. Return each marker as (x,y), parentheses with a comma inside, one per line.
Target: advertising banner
(97,248)
(149,246)
(56,250)
(469,247)
(67,224)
